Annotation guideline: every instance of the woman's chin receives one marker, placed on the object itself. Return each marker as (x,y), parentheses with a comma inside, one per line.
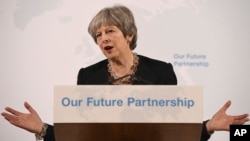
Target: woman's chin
(110,56)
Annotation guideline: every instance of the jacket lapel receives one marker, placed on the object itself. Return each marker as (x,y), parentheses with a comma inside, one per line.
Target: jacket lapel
(144,73)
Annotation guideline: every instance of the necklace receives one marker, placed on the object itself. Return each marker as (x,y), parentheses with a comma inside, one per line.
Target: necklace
(125,80)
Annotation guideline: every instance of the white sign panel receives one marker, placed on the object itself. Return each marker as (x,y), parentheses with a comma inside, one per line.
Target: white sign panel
(127,104)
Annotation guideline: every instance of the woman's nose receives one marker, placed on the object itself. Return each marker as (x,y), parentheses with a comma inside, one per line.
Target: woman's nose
(105,38)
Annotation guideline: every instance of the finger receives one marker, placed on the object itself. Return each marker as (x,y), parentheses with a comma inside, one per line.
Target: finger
(29,107)
(226,106)
(16,122)
(241,121)
(13,111)
(9,117)
(239,117)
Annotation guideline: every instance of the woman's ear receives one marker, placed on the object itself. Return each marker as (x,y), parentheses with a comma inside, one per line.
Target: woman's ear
(129,38)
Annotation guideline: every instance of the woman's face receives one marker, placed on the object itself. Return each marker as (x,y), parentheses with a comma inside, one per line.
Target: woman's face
(112,42)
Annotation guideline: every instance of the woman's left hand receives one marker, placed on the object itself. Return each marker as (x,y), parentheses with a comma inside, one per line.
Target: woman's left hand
(221,121)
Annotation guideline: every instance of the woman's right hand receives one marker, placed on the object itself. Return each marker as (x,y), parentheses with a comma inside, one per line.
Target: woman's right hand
(28,121)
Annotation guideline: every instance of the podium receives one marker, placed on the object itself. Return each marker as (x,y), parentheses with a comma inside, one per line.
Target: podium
(128,113)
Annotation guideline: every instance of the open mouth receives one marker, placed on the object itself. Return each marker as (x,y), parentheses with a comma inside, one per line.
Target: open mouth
(108,47)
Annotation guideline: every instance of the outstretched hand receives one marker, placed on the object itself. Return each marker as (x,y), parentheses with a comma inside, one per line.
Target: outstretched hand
(28,121)
(221,121)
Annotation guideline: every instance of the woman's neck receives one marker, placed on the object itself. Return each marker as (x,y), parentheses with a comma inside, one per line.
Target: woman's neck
(122,65)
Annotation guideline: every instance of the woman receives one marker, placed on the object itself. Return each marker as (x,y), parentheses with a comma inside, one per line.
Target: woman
(114,31)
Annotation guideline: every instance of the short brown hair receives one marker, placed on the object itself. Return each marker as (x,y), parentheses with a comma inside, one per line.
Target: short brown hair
(119,16)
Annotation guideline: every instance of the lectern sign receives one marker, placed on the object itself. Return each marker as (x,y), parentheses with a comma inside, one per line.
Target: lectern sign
(127,104)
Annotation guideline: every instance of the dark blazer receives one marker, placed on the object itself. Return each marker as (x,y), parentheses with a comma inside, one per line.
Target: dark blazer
(149,71)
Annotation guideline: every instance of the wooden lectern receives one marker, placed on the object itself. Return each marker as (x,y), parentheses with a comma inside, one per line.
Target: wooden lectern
(128,113)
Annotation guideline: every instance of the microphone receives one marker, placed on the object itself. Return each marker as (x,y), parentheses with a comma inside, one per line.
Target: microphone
(117,79)
(139,79)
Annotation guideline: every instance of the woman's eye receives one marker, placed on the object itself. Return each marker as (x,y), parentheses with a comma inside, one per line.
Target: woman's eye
(110,31)
(97,35)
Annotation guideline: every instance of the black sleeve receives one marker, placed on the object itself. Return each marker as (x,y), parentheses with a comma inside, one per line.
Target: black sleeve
(50,135)
(204,133)
(170,76)
(80,77)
